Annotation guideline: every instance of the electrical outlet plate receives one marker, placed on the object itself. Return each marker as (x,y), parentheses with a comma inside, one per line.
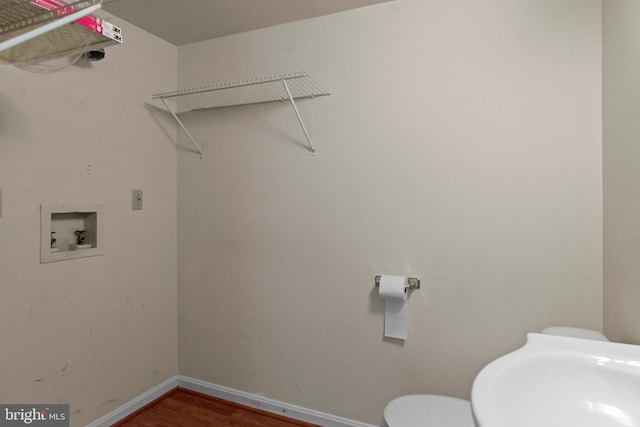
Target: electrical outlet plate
(136,200)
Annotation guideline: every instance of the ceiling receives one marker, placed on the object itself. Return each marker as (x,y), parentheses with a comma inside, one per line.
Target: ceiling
(186,21)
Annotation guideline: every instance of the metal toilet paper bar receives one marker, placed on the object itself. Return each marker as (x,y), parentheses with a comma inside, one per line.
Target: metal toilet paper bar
(412,282)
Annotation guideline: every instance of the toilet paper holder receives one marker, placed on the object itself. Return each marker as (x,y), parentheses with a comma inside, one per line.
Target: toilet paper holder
(412,282)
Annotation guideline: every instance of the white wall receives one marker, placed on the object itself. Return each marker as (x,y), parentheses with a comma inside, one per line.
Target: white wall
(621,99)
(461,144)
(92,332)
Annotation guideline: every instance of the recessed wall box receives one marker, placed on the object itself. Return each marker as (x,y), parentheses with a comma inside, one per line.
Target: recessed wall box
(61,227)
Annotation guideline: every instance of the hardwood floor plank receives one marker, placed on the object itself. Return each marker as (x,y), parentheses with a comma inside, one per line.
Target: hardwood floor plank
(186,408)
(256,420)
(206,403)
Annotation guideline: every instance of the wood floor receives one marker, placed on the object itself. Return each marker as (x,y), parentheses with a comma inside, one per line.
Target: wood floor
(186,408)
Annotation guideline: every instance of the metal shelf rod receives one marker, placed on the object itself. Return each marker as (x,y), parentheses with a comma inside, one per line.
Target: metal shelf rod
(295,108)
(175,116)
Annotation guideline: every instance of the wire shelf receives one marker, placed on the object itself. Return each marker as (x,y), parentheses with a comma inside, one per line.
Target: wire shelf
(246,92)
(67,40)
(17,16)
(281,87)
(33,31)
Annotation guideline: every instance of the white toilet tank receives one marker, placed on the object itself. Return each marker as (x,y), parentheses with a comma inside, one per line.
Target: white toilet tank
(567,331)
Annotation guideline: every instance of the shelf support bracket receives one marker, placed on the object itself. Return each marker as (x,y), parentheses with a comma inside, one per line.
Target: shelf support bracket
(175,116)
(295,108)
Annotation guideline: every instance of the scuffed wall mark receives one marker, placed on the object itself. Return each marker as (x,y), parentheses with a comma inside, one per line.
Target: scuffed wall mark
(38,380)
(64,371)
(77,411)
(115,399)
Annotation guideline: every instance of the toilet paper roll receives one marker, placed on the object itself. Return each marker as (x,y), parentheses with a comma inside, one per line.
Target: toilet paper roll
(396,307)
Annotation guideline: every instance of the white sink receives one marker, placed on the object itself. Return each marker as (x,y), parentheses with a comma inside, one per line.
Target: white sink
(558,381)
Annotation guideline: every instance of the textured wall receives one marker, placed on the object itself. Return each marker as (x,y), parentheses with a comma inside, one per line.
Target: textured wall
(92,332)
(621,102)
(461,144)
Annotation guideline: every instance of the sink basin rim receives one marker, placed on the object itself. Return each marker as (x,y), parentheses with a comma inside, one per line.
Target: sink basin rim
(540,349)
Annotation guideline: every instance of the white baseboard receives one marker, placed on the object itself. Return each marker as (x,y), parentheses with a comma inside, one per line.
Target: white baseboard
(266,404)
(230,394)
(135,404)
